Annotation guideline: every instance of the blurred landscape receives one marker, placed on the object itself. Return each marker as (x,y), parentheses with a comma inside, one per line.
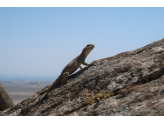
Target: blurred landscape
(20,90)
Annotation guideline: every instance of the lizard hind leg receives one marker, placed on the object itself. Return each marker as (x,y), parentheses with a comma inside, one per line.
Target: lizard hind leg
(80,67)
(64,77)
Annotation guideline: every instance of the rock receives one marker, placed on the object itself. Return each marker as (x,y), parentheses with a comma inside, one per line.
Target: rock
(5,100)
(135,77)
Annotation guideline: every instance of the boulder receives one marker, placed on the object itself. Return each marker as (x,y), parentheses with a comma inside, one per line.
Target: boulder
(127,84)
(5,100)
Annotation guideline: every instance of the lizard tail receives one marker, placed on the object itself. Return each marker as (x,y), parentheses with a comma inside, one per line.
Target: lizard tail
(48,90)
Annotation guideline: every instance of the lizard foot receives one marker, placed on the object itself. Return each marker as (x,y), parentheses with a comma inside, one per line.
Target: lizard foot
(92,63)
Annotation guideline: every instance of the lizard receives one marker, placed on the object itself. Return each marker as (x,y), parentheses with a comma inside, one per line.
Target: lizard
(71,67)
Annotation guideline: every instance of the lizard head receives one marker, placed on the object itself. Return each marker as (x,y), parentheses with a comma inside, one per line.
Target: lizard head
(88,49)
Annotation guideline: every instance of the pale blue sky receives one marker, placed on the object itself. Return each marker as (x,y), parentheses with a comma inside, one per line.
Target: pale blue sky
(41,41)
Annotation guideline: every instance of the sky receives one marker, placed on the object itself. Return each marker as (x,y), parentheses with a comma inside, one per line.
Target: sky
(39,42)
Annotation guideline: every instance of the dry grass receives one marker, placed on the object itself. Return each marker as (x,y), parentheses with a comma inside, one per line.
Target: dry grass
(35,95)
(96,98)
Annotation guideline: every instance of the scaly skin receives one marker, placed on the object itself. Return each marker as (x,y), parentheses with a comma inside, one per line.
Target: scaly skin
(71,67)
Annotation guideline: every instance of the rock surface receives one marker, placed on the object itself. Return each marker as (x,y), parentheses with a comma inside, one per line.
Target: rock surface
(135,77)
(5,100)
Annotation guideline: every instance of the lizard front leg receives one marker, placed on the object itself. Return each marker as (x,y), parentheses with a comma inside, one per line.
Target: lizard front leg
(84,63)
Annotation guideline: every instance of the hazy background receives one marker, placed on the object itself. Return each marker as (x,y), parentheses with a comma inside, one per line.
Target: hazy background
(37,43)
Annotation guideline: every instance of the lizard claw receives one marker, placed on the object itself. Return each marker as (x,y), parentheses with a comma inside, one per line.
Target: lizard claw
(92,63)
